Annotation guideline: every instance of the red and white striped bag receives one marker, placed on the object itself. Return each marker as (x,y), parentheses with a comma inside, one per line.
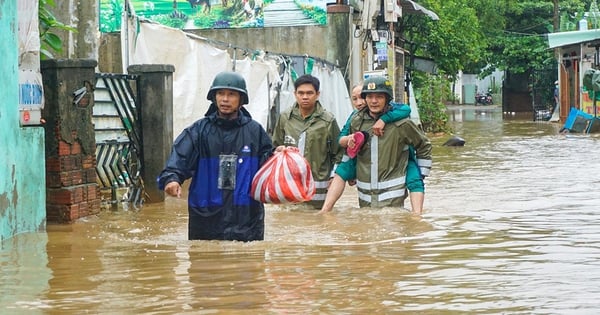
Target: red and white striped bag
(284,178)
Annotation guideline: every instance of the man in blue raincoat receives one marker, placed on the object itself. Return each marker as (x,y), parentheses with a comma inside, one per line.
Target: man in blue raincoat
(221,153)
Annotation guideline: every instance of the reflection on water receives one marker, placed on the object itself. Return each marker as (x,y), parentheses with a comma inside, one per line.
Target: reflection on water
(509,228)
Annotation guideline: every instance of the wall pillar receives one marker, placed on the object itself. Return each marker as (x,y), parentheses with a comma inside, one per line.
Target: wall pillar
(155,90)
(83,16)
(339,31)
(72,191)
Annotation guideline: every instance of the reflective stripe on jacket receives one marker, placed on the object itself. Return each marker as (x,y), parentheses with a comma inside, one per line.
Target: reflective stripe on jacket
(381,163)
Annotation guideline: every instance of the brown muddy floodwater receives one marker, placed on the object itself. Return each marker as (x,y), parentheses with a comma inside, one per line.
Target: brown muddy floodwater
(510,228)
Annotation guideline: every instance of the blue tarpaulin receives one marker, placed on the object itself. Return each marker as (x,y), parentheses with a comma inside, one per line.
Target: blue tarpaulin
(579,121)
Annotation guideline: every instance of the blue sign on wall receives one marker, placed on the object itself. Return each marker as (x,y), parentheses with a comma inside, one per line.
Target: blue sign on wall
(30,95)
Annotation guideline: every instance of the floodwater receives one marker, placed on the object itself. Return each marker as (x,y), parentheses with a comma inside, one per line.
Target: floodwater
(509,228)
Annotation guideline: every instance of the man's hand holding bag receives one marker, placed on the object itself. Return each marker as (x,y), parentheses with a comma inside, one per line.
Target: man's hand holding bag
(285,178)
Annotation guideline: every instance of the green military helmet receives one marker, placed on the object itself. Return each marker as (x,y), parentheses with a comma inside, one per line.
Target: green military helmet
(231,81)
(377,84)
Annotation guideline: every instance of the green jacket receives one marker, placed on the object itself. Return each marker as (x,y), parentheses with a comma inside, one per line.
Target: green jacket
(383,183)
(398,111)
(316,137)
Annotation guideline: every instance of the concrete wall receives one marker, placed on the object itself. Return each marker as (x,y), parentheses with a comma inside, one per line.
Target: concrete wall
(22,166)
(296,40)
(156,108)
(82,15)
(72,189)
(330,43)
(471,83)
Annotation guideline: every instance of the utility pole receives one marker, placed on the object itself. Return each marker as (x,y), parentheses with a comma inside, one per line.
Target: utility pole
(556,17)
(556,22)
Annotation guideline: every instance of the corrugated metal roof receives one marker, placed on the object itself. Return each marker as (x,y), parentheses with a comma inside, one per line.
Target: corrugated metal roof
(570,38)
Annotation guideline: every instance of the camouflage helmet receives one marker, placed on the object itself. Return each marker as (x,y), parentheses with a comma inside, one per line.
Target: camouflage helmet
(231,81)
(377,84)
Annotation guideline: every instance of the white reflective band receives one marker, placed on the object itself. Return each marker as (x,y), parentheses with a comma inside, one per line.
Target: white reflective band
(374,161)
(392,194)
(302,142)
(392,182)
(319,197)
(345,158)
(364,197)
(385,196)
(424,171)
(363,185)
(424,162)
(383,185)
(322,184)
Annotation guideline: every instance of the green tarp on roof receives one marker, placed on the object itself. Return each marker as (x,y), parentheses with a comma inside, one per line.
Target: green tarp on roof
(570,38)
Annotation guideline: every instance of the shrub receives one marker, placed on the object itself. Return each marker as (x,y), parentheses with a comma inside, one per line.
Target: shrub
(431,93)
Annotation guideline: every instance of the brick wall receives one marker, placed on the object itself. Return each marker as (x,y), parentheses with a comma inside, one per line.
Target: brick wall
(71,187)
(72,191)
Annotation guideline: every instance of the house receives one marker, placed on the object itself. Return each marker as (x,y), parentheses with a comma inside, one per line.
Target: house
(577,52)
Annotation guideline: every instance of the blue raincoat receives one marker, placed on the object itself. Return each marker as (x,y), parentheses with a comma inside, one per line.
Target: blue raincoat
(220,214)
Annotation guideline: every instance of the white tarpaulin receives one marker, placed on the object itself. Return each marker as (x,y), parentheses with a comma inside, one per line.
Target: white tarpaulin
(31,95)
(262,79)
(334,92)
(414,109)
(197,61)
(286,96)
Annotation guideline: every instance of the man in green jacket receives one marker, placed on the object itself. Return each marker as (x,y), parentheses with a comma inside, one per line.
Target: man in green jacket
(346,171)
(381,164)
(314,131)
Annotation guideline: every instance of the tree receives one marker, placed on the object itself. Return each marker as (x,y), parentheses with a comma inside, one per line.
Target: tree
(522,45)
(49,41)
(478,36)
(454,41)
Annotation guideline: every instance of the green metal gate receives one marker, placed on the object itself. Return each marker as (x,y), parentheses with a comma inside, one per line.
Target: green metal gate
(118,137)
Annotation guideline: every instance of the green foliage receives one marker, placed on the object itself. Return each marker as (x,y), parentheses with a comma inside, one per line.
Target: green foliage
(432,91)
(170,20)
(521,53)
(110,17)
(570,16)
(180,15)
(49,41)
(522,46)
(316,13)
(454,41)
(479,36)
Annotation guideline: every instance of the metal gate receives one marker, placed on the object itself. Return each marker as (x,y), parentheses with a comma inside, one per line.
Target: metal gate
(542,92)
(118,138)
